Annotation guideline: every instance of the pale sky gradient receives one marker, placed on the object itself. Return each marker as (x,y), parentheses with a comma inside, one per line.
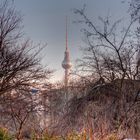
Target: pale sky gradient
(44,21)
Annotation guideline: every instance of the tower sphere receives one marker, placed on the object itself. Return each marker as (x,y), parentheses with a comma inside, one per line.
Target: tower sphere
(66,64)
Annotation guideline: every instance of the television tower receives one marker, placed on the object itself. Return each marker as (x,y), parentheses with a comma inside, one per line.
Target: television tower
(66,64)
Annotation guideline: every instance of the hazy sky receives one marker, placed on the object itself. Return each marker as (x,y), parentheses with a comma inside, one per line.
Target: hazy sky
(44,21)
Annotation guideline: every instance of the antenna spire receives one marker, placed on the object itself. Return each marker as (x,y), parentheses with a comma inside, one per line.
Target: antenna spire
(66,33)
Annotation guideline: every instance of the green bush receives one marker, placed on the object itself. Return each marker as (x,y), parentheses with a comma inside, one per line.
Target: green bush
(44,136)
(47,136)
(112,137)
(4,135)
(74,136)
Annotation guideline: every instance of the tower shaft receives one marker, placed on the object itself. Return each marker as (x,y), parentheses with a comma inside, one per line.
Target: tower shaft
(66,83)
(66,77)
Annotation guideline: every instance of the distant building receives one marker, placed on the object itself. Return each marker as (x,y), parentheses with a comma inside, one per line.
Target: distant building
(66,64)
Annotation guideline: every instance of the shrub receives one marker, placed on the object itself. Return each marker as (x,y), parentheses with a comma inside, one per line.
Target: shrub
(112,137)
(4,134)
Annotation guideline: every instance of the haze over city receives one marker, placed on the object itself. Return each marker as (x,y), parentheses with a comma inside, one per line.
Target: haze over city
(69,70)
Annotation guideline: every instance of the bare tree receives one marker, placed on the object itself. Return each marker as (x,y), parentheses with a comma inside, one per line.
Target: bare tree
(109,53)
(110,100)
(20,70)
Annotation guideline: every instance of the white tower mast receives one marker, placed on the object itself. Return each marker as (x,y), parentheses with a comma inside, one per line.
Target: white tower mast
(66,64)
